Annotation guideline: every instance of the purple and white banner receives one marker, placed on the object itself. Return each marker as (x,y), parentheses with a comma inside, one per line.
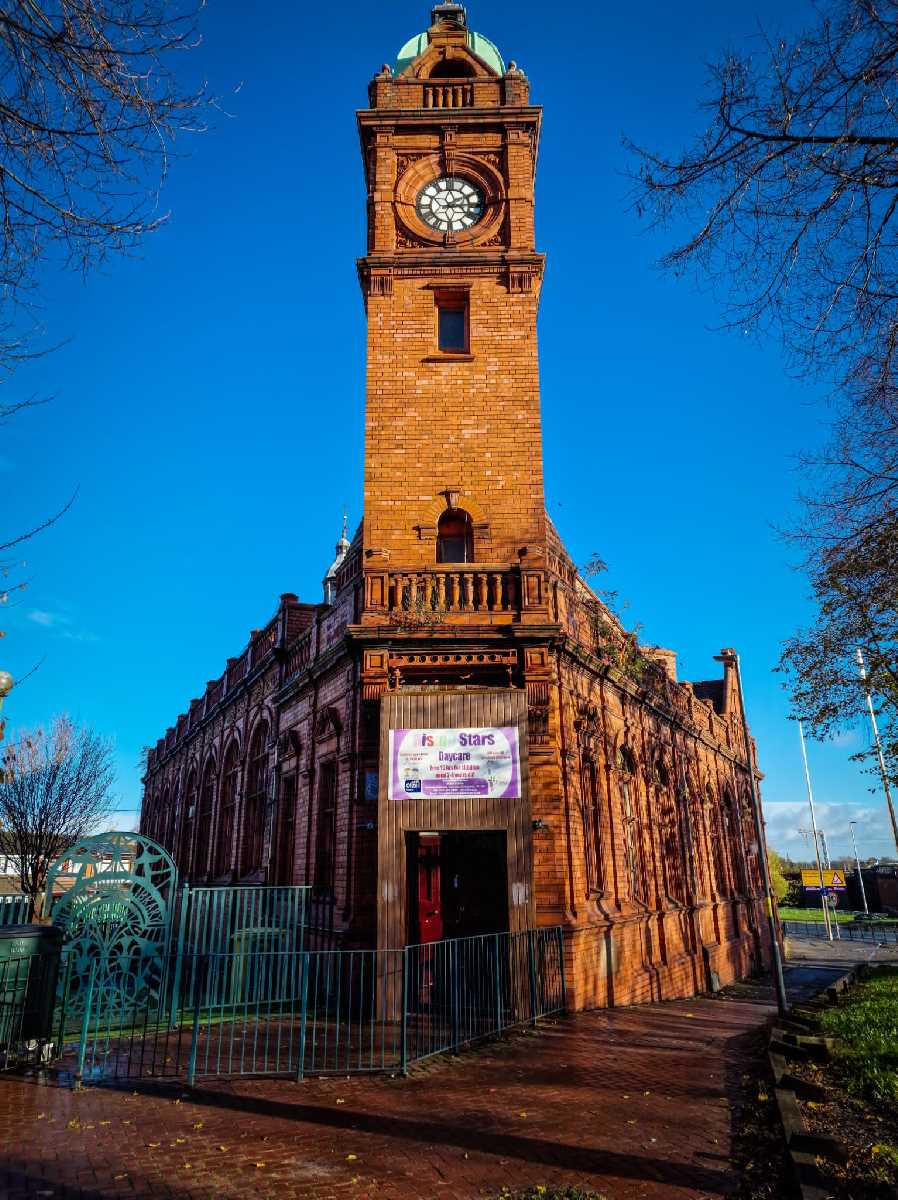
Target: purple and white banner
(460,763)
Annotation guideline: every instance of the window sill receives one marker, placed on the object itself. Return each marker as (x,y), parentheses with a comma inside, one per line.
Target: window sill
(448,357)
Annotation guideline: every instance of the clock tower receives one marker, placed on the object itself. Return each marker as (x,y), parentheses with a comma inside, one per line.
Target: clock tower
(451,283)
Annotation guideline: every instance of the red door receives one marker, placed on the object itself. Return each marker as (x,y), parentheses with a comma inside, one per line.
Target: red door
(430,911)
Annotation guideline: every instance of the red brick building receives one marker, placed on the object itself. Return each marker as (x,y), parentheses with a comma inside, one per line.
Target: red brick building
(618,804)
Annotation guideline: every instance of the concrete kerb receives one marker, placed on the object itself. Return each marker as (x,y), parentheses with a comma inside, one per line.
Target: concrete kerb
(790,1039)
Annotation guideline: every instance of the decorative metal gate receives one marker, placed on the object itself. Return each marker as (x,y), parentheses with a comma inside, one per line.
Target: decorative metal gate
(115,915)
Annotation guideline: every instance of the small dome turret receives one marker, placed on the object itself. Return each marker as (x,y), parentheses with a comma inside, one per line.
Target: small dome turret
(450,17)
(330,579)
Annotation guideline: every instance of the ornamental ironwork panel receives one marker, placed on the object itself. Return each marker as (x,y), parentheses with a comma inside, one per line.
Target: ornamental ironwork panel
(115,893)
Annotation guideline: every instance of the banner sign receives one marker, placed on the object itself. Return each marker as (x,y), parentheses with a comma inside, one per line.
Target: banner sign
(458,763)
(832,881)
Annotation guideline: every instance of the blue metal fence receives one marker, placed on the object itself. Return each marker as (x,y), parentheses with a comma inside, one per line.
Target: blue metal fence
(265,1011)
(13,910)
(879,933)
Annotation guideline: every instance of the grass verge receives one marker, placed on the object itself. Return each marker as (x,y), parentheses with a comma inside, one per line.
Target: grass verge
(867,1026)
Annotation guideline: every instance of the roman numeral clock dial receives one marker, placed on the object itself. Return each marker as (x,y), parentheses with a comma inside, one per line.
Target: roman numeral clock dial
(450,205)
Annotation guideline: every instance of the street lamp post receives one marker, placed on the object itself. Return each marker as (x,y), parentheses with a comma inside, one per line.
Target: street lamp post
(816,835)
(730,658)
(851,825)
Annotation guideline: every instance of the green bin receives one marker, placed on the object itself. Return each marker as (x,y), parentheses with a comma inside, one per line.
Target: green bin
(29,971)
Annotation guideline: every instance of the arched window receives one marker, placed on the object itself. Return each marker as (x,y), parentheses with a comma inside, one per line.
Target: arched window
(671,846)
(227,812)
(326,830)
(733,834)
(160,833)
(626,769)
(592,826)
(453,68)
(206,810)
(717,831)
(455,537)
(256,801)
(187,822)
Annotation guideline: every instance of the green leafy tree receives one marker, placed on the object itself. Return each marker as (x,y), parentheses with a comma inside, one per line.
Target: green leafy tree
(778,881)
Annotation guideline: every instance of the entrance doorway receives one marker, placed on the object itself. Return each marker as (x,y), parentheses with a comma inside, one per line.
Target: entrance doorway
(458,885)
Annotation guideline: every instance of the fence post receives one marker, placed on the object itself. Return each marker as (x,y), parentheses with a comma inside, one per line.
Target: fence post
(561,964)
(85,1027)
(65,1001)
(531,957)
(403,1049)
(179,955)
(195,1032)
(453,948)
(498,987)
(303,1014)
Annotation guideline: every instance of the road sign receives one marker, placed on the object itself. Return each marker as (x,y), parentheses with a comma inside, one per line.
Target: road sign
(832,880)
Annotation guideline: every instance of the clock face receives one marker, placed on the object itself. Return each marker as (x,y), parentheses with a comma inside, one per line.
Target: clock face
(450,204)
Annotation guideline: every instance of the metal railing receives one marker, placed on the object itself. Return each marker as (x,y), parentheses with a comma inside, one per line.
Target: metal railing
(876,932)
(13,910)
(265,1011)
(27,989)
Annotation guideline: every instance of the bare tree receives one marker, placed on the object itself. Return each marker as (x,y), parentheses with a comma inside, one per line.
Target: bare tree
(55,786)
(792,195)
(90,109)
(792,190)
(89,112)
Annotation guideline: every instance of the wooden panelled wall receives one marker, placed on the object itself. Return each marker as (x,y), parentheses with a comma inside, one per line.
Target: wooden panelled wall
(426,709)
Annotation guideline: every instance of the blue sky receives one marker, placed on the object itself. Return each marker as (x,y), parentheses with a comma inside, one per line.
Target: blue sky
(209,396)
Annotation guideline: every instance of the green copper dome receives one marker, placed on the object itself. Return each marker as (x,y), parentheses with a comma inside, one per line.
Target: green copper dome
(480,45)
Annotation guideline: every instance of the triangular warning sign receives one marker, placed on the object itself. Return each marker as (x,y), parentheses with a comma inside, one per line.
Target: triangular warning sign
(838,881)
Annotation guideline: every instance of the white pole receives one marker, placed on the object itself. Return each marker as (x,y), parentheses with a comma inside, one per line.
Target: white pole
(851,825)
(807,775)
(882,762)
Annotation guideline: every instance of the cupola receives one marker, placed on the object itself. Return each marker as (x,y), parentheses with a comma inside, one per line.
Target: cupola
(330,579)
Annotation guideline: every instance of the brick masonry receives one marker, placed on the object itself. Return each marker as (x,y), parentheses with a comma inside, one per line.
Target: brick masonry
(643,847)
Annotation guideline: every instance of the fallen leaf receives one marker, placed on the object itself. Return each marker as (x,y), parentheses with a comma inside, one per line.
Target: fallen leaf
(259,1166)
(351,1157)
(105,1122)
(153,1145)
(40,1116)
(120,1177)
(341,1101)
(187,1166)
(198,1125)
(223,1149)
(763,1096)
(522,1114)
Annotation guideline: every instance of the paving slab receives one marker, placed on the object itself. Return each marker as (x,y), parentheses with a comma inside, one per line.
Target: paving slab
(637,1103)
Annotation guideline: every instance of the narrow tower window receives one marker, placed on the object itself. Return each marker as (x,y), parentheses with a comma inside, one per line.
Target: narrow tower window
(452,322)
(455,537)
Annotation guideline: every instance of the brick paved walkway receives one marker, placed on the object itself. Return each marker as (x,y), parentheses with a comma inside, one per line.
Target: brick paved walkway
(633,1103)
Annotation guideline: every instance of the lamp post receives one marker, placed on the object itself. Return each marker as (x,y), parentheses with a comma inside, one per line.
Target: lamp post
(816,835)
(851,825)
(730,658)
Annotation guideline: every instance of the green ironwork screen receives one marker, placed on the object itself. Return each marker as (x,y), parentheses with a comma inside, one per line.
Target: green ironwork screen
(266,1011)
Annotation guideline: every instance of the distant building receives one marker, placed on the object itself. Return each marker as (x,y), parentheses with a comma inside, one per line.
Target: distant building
(461,739)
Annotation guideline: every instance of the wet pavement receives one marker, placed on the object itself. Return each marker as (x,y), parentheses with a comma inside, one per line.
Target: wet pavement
(634,1103)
